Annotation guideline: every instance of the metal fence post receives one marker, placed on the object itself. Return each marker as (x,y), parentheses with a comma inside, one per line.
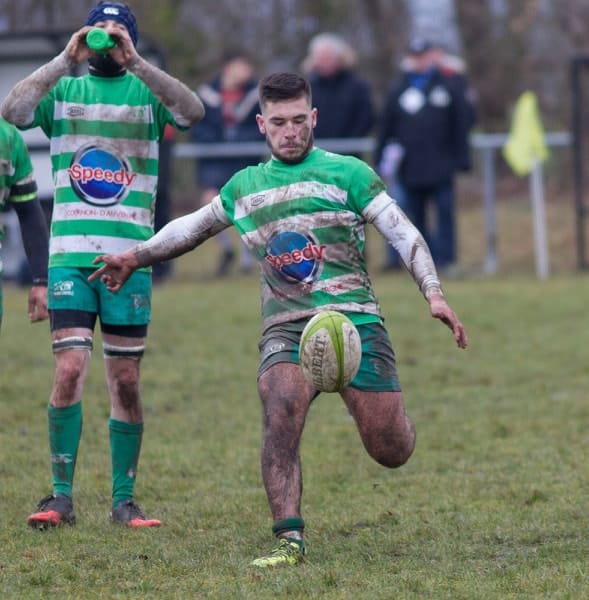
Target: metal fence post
(488,167)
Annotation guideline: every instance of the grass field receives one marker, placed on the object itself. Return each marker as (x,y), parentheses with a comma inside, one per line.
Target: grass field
(493,504)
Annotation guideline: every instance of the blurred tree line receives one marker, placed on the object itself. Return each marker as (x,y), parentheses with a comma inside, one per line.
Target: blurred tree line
(508,45)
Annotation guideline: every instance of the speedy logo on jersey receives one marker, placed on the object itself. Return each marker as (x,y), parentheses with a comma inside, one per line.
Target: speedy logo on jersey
(100,176)
(295,256)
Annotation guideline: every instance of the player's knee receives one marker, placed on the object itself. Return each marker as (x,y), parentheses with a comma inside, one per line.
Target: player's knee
(69,372)
(392,450)
(281,421)
(393,458)
(281,405)
(71,357)
(127,387)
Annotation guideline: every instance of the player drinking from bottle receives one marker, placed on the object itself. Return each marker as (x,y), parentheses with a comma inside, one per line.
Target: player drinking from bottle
(302,214)
(105,129)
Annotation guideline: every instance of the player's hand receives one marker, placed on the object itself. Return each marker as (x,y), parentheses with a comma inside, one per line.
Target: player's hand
(37,309)
(124,52)
(116,270)
(440,310)
(77,50)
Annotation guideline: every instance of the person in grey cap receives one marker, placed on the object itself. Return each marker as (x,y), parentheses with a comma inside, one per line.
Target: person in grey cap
(426,120)
(105,129)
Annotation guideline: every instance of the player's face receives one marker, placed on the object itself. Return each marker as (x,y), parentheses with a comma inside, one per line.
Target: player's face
(288,127)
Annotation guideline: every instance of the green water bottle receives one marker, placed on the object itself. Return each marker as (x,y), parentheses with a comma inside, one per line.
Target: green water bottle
(99,40)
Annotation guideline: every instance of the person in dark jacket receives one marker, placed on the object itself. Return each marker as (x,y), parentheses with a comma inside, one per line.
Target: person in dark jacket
(342,98)
(427,118)
(231,105)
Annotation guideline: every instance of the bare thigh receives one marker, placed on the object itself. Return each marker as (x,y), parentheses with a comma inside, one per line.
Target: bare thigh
(385,429)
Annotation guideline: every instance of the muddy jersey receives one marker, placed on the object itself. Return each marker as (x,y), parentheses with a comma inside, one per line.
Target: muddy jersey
(104,135)
(16,171)
(304,224)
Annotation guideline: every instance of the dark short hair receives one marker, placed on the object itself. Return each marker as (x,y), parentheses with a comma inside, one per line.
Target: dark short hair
(283,86)
(234,53)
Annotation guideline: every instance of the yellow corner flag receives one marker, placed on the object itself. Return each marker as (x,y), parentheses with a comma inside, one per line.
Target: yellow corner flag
(525,145)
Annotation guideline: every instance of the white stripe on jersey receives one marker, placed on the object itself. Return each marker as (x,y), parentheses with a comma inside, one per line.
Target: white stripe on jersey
(124,146)
(340,284)
(288,316)
(94,244)
(80,211)
(303,189)
(141,183)
(344,218)
(113,113)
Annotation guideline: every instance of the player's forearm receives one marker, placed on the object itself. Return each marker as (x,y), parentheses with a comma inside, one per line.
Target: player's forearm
(35,237)
(178,98)
(393,224)
(181,235)
(19,105)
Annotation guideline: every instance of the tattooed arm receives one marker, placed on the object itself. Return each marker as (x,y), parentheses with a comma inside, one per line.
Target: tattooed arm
(19,106)
(184,105)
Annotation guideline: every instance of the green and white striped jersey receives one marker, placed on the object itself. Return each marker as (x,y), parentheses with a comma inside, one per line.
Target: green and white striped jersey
(304,223)
(16,171)
(104,135)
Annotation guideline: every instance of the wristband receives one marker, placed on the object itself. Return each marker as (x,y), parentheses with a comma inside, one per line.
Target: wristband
(40,281)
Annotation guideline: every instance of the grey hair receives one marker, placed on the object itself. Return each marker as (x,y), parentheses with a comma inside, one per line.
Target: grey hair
(336,44)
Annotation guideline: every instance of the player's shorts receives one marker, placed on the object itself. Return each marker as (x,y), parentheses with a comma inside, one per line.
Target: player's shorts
(378,369)
(70,290)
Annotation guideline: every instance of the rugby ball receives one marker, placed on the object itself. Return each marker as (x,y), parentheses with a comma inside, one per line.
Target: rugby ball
(330,351)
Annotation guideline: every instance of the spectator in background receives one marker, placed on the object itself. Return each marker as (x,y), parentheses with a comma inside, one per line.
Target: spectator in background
(343,99)
(425,125)
(231,105)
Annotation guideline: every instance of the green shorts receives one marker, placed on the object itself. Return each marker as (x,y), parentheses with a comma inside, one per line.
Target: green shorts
(378,369)
(69,289)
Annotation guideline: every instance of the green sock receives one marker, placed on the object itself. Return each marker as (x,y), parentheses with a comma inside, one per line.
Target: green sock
(125,446)
(65,431)
(292,529)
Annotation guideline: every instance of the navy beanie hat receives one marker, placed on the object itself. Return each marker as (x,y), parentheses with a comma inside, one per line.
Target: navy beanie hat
(114,11)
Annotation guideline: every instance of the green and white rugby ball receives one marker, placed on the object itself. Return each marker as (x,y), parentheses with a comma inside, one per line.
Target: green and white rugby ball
(330,351)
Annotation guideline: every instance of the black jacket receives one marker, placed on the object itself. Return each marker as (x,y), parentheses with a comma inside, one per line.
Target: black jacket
(431,124)
(344,105)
